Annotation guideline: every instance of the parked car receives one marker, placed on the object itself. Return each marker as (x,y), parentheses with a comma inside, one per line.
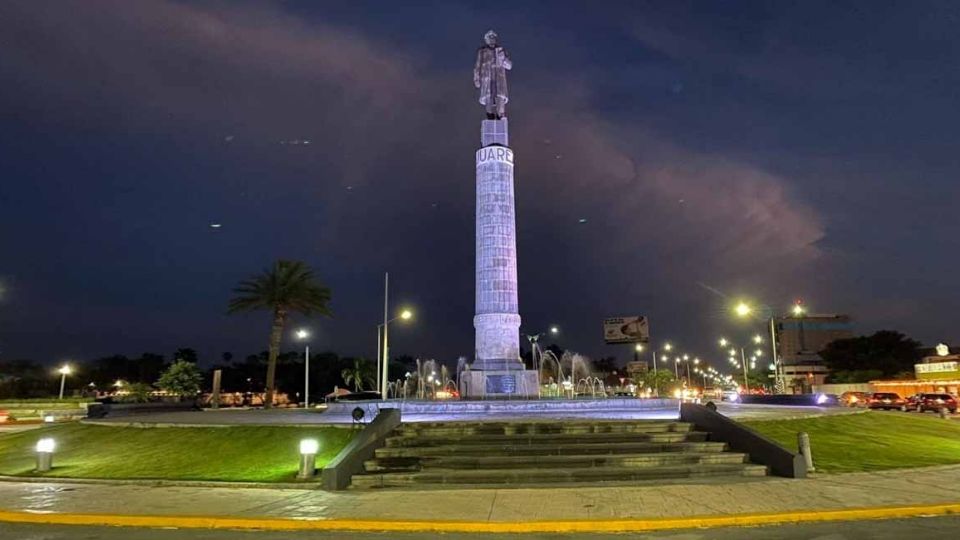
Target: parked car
(932,402)
(885,400)
(910,404)
(854,399)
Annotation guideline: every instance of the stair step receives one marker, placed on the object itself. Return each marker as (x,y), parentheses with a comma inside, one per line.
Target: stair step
(511,428)
(487,477)
(415,464)
(548,438)
(592,448)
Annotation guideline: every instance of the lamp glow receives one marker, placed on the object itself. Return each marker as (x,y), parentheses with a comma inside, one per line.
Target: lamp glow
(554,330)
(406,314)
(303,333)
(46,446)
(309,446)
(742,309)
(65,370)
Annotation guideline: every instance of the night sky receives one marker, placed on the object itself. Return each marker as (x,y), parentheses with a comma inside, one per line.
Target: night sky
(769,150)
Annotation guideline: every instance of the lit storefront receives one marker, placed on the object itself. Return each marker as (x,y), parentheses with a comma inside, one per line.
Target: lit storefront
(936,374)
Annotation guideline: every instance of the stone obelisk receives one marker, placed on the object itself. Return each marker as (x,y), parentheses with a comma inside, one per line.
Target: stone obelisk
(497,369)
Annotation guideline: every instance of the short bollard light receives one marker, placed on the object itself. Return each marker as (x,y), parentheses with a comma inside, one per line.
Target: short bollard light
(803,442)
(308,456)
(45,449)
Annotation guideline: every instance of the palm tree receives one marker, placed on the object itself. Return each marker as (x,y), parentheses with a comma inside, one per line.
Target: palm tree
(289,286)
(359,373)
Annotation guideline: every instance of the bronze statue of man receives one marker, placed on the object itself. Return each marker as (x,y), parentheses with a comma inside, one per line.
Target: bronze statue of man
(490,76)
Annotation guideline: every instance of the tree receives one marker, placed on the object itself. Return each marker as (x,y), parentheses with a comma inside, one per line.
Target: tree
(357,374)
(290,286)
(185,353)
(661,380)
(138,393)
(885,351)
(607,364)
(182,379)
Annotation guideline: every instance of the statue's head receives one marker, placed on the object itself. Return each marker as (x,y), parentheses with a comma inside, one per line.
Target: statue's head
(490,38)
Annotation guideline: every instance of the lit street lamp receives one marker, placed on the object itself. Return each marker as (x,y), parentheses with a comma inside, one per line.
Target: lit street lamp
(64,371)
(303,334)
(742,310)
(384,376)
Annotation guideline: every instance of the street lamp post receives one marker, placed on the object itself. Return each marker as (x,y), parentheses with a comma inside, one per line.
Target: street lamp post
(386,309)
(302,335)
(384,374)
(534,348)
(63,371)
(743,309)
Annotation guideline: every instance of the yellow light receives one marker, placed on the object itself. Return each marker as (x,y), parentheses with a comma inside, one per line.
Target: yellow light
(406,314)
(733,352)
(723,342)
(65,370)
(742,309)
(638,348)
(667,346)
(685,358)
(758,352)
(798,310)
(757,339)
(696,361)
(303,333)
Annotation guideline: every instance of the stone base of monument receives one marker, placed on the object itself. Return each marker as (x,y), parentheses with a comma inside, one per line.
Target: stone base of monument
(500,384)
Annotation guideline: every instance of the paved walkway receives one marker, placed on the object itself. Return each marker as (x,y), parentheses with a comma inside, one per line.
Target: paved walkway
(936,485)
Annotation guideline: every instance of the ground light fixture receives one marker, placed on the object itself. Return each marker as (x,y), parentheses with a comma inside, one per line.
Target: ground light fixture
(308,458)
(45,448)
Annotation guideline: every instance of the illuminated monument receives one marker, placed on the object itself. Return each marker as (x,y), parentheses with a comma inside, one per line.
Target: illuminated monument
(497,370)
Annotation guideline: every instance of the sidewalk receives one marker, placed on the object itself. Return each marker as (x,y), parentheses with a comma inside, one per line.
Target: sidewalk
(770,500)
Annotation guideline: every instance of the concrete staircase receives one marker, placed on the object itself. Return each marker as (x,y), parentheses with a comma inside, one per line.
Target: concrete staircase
(521,453)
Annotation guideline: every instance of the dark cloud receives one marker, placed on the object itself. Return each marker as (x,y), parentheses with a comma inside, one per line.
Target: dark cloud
(386,180)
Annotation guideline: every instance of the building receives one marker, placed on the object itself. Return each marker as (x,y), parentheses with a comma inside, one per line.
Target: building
(799,341)
(938,372)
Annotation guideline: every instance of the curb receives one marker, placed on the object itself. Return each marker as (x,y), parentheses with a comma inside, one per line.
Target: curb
(577,526)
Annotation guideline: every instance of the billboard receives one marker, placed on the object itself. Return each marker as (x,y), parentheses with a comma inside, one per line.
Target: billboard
(634,329)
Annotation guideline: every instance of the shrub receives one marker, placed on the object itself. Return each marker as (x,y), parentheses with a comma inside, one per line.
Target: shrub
(182,379)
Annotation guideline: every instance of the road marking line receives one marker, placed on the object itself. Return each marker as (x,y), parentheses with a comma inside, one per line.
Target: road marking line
(566,526)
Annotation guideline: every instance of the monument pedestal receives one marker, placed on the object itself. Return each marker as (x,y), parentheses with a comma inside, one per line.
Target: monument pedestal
(500,384)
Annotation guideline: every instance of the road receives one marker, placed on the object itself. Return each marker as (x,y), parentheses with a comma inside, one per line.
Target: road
(938,527)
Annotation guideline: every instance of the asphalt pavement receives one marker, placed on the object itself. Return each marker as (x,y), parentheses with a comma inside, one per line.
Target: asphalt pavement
(935,527)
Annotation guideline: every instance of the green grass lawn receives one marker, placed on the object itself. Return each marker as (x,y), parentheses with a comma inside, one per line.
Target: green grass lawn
(871,441)
(249,453)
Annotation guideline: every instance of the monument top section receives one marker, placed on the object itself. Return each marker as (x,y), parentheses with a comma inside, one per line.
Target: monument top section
(490,76)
